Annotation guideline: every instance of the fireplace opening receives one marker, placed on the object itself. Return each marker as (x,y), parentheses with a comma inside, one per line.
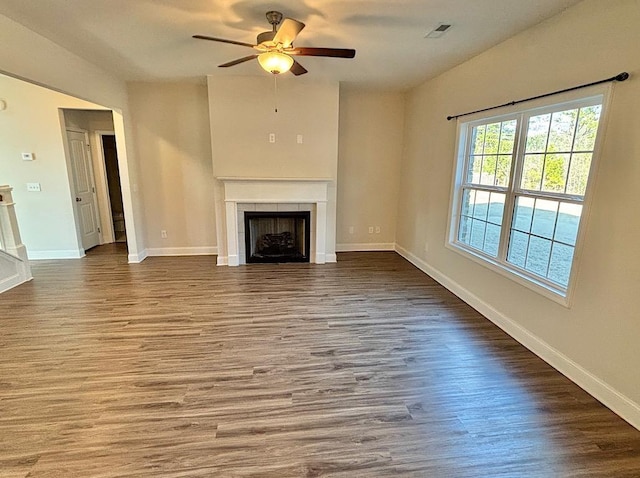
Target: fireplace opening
(277,236)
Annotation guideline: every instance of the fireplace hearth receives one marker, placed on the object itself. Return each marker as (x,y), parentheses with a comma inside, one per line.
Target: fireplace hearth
(277,236)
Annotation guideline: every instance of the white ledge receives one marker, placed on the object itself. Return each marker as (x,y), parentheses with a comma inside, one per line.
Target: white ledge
(312,180)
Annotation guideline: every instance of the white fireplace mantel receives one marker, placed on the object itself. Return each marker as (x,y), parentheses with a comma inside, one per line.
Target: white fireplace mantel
(275,191)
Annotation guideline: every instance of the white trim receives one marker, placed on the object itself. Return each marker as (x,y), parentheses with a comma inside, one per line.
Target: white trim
(230,179)
(328,258)
(14,268)
(12,281)
(366,247)
(222,261)
(620,404)
(102,185)
(510,273)
(182,251)
(57,254)
(137,258)
(313,191)
(128,189)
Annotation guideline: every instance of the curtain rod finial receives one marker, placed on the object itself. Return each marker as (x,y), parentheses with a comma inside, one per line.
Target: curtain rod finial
(622,76)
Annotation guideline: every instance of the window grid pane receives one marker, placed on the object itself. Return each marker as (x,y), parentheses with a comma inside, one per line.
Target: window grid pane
(549,229)
(490,157)
(481,218)
(558,151)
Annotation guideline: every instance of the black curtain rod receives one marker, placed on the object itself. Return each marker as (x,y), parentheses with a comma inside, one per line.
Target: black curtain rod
(621,77)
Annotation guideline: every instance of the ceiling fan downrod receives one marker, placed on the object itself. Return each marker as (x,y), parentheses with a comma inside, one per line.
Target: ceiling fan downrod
(274,18)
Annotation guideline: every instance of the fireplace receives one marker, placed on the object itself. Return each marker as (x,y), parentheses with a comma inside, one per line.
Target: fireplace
(275,236)
(240,195)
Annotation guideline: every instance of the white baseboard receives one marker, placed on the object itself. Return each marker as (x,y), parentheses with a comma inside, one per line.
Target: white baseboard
(13,281)
(137,258)
(599,389)
(58,254)
(330,258)
(182,251)
(365,247)
(10,282)
(222,261)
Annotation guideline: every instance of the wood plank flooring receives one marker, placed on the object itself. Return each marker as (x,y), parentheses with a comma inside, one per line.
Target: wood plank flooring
(364,368)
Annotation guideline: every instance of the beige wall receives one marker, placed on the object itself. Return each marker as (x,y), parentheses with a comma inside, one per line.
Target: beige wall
(242,117)
(595,340)
(28,55)
(171,127)
(90,120)
(370,150)
(32,123)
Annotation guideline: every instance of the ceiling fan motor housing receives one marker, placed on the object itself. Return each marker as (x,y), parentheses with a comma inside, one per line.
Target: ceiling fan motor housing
(274,18)
(265,37)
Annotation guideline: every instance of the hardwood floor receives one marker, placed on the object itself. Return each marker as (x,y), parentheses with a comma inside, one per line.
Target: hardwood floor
(364,368)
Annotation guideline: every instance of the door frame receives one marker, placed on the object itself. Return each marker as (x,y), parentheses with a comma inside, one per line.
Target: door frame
(102,187)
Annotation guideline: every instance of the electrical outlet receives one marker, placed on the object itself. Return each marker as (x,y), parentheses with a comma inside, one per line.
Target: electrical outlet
(377,229)
(351,229)
(370,229)
(163,234)
(426,247)
(299,139)
(272,137)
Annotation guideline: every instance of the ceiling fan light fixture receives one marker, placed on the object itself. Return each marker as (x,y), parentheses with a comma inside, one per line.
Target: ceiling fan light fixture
(275,62)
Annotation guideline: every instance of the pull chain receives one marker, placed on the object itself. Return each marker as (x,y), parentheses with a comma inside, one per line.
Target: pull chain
(275,88)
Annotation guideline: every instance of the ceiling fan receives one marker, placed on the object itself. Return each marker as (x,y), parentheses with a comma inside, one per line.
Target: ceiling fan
(276,48)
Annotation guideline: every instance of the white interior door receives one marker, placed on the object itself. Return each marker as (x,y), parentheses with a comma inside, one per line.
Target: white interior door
(84,185)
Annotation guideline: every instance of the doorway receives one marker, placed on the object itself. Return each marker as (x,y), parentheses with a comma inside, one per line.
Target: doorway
(110,156)
(109,194)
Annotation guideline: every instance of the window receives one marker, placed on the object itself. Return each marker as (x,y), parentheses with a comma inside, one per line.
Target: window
(520,186)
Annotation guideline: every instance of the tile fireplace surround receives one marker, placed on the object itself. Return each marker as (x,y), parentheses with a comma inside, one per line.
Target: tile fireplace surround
(275,194)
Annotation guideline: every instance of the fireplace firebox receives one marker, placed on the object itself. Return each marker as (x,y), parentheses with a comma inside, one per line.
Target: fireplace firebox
(277,236)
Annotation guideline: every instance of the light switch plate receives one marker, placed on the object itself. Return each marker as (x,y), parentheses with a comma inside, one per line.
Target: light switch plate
(27,156)
(34,187)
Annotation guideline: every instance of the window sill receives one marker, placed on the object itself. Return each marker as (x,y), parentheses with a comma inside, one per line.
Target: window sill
(556,295)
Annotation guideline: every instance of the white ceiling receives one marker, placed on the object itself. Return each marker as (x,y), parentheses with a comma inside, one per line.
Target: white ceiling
(151,39)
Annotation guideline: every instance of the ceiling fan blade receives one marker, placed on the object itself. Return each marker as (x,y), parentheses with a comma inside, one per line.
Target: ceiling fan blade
(332,52)
(297,69)
(238,61)
(288,32)
(222,40)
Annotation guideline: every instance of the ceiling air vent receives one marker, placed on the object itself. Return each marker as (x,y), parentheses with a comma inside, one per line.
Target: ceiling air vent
(439,31)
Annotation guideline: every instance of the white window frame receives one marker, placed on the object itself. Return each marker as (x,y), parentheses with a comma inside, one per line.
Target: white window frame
(601,95)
